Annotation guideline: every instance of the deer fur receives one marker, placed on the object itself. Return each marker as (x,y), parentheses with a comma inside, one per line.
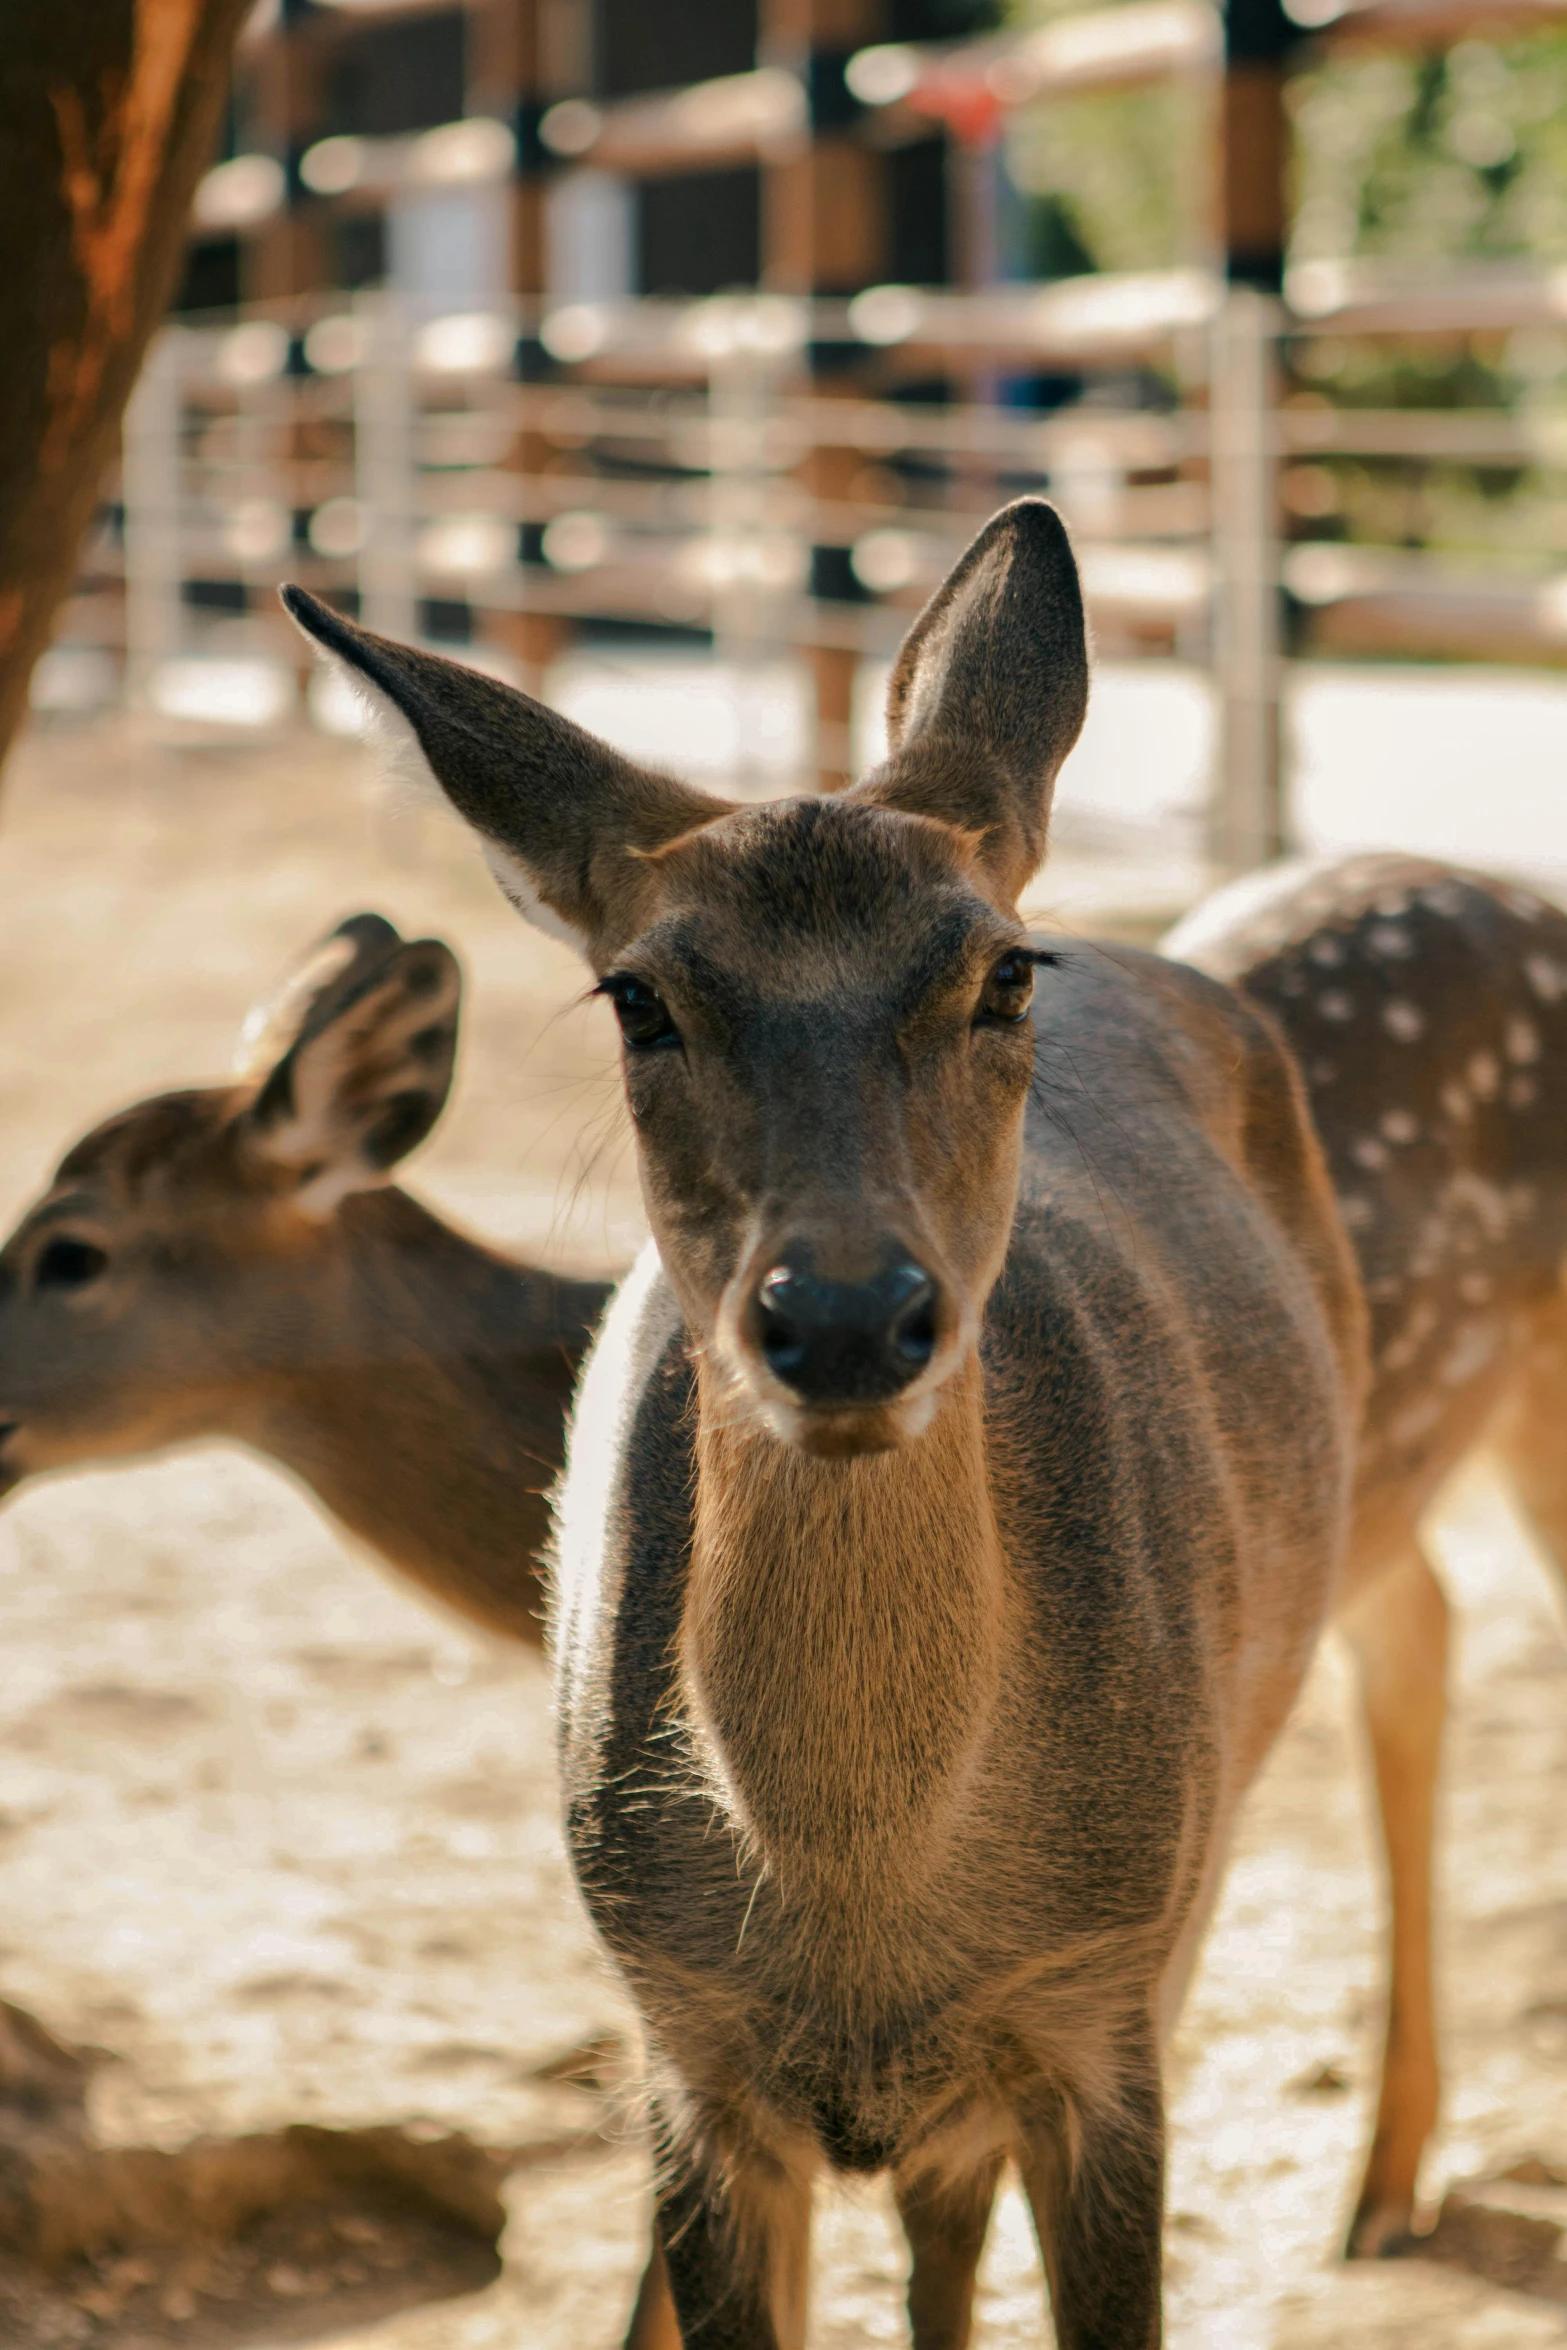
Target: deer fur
(1427,1010)
(901,1741)
(252,1273)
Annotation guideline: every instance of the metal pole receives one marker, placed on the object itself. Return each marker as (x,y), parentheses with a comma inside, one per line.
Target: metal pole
(1246,815)
(385,482)
(151,477)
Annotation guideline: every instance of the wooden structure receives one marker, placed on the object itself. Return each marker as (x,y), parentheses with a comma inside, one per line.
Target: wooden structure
(733,353)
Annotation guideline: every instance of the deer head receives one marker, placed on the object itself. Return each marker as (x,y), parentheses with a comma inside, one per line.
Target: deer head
(152,1280)
(824,1004)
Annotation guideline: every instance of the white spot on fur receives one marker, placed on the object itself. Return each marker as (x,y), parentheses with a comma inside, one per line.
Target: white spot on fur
(1390,940)
(1356,1212)
(1417,1421)
(1521,1093)
(1368,1152)
(1443,897)
(1400,1127)
(1399,1352)
(1523,1039)
(1484,1202)
(1392,904)
(1327,951)
(1475,1345)
(1545,977)
(1455,1101)
(1323,1072)
(1475,1288)
(1403,1021)
(1336,1005)
(1485,1077)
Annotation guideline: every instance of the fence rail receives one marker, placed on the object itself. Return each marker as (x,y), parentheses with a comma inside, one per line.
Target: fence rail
(497,477)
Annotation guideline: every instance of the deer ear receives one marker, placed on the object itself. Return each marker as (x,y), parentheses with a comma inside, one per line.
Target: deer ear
(369,1043)
(564,821)
(989,692)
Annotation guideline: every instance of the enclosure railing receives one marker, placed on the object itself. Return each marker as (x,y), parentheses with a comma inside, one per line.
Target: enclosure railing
(493,477)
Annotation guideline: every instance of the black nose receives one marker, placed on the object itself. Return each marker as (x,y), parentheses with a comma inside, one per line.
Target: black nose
(846,1342)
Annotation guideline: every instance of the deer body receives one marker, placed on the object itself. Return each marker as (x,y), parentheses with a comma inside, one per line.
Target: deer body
(233,1262)
(949,1870)
(953,1504)
(1427,1009)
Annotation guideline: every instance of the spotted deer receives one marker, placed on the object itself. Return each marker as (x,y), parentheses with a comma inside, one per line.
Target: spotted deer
(1427,1010)
(235,1261)
(958,1485)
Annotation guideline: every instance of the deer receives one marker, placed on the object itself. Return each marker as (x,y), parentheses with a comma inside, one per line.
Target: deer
(957,1488)
(235,1261)
(1426,1008)
(1447,1171)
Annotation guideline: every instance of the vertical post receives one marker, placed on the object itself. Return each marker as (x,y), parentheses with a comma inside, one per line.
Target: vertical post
(753,564)
(384,469)
(1254,166)
(1246,814)
(151,477)
(1247,823)
(826,230)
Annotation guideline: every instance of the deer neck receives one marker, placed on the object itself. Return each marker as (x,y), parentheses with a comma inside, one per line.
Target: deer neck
(841,1641)
(424,1403)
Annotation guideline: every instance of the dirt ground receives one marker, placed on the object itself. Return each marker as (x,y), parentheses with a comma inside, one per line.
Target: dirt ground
(278,1847)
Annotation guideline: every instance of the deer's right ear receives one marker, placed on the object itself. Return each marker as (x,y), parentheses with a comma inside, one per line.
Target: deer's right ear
(564,821)
(371,1038)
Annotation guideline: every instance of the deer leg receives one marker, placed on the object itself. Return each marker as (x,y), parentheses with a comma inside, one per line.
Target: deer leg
(1095,2185)
(1397,1632)
(734,2231)
(1530,1435)
(945,2225)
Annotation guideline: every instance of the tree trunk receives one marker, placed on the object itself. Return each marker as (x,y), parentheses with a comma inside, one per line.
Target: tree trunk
(108,111)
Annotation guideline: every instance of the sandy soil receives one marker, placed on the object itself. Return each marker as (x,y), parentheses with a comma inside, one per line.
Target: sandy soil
(282,1846)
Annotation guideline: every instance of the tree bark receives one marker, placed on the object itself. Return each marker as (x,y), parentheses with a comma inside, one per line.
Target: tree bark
(108,112)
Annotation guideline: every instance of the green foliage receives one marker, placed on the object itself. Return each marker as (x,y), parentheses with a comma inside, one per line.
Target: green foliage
(1435,158)
(1431,160)
(1122,174)
(1113,166)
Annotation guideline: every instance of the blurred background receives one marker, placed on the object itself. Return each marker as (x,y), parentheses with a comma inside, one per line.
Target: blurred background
(660,356)
(663,359)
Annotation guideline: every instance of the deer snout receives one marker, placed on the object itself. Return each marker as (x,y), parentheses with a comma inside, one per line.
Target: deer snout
(839,1344)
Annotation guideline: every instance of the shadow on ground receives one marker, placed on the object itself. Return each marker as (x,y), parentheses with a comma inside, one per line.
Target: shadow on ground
(289,2235)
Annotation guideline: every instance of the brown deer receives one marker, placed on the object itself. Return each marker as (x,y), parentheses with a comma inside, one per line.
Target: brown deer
(959,1483)
(1427,1009)
(235,1262)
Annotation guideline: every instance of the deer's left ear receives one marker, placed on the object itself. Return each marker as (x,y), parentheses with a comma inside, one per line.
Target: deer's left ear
(989,692)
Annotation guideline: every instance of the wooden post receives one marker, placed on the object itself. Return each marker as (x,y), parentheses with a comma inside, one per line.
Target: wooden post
(825,230)
(1248,822)
(1258,38)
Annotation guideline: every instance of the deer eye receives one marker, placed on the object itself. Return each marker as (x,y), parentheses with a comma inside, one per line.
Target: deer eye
(643,1015)
(65,1263)
(1008,992)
